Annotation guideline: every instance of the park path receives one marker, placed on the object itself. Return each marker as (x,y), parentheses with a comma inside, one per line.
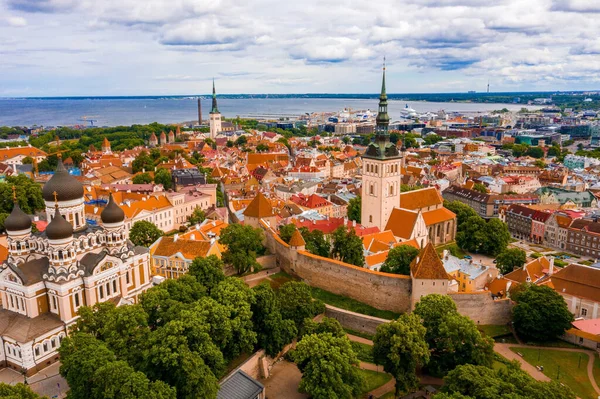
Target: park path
(504,350)
(358,339)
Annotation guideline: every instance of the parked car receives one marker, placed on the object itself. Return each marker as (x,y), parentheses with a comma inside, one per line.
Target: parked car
(468,257)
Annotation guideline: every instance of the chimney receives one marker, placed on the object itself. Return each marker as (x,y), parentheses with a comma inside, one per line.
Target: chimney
(193,237)
(551,267)
(175,237)
(354,223)
(445,254)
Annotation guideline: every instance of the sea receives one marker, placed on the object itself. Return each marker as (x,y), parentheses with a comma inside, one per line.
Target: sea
(119,111)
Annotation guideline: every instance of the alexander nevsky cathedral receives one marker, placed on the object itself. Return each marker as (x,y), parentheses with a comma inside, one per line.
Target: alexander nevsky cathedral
(49,275)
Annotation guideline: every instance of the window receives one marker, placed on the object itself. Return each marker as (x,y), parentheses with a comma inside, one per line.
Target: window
(53,343)
(101,289)
(76,297)
(114,285)
(580,340)
(127,276)
(371,189)
(370,218)
(37,350)
(45,346)
(583,312)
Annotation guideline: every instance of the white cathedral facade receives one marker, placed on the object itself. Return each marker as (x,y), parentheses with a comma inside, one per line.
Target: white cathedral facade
(48,276)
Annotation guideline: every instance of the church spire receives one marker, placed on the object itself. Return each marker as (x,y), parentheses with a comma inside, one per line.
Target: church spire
(383,119)
(214,109)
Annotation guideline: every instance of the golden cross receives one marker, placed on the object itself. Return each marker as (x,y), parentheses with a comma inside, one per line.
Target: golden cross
(14,189)
(55,196)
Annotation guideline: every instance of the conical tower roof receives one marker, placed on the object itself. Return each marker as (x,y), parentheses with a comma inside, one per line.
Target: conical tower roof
(297,240)
(428,265)
(260,207)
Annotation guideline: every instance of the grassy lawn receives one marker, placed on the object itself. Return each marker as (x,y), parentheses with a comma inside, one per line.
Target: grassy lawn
(586,262)
(363,351)
(572,373)
(493,331)
(359,334)
(555,344)
(596,369)
(352,305)
(389,395)
(374,379)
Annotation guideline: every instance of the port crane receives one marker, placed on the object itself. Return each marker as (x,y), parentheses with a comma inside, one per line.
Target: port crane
(90,119)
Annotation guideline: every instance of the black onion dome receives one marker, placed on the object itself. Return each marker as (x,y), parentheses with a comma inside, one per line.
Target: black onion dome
(66,186)
(59,228)
(112,213)
(17,220)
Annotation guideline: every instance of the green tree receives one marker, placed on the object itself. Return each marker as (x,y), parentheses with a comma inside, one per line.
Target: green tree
(541,314)
(243,244)
(510,259)
(237,298)
(471,235)
(286,231)
(432,138)
(315,242)
(143,162)
(19,391)
(118,380)
(144,233)
(142,178)
(241,141)
(163,176)
(453,339)
(480,187)
(169,359)
(519,150)
(198,216)
(28,192)
(81,355)
(347,246)
(207,271)
(462,211)
(296,302)
(480,382)
(554,150)
(401,348)
(399,259)
(326,325)
(273,332)
(328,366)
(540,164)
(354,209)
(497,237)
(3,217)
(262,147)
(535,152)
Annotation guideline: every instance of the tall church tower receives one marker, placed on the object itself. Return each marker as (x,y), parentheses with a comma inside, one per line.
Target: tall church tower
(215,116)
(381,171)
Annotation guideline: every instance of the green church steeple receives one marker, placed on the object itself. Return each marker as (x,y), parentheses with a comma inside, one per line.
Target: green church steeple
(215,109)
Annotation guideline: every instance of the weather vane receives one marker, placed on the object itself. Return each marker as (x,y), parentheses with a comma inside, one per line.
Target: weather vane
(55,197)
(384,62)
(14,190)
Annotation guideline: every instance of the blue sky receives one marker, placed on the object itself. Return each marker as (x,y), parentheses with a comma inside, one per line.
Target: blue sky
(154,47)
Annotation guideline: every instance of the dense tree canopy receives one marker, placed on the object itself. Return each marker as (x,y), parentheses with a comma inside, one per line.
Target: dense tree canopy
(462,211)
(315,242)
(142,163)
(296,302)
(477,235)
(19,391)
(198,216)
(286,231)
(142,178)
(347,246)
(29,194)
(541,314)
(479,382)
(144,233)
(207,271)
(243,244)
(399,259)
(510,259)
(401,348)
(354,209)
(453,339)
(163,176)
(329,367)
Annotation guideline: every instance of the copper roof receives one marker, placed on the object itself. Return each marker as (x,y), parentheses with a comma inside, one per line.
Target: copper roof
(260,207)
(578,280)
(428,265)
(297,240)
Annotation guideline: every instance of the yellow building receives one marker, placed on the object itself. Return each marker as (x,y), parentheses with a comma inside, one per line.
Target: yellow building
(171,257)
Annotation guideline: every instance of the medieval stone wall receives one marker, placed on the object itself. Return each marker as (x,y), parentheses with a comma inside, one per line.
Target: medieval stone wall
(380,290)
(482,309)
(354,321)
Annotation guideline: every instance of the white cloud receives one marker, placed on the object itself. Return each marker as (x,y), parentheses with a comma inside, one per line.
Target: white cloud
(16,21)
(323,45)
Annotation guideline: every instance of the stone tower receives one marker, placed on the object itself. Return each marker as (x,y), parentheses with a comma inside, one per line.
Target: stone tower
(215,116)
(381,171)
